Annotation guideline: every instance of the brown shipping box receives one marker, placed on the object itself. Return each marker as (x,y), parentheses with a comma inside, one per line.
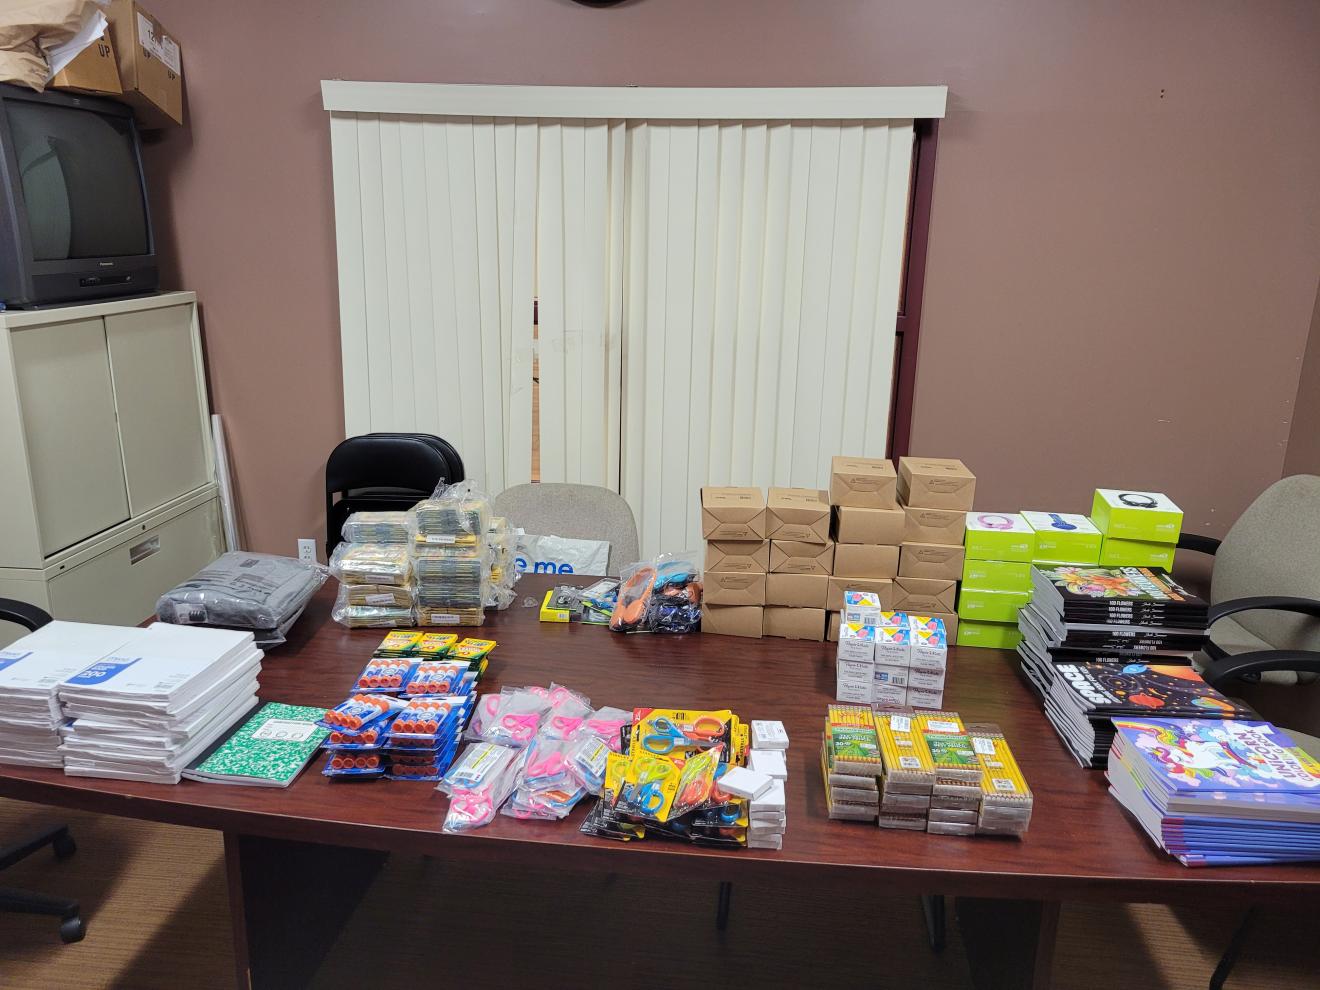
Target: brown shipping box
(733,514)
(734,555)
(946,526)
(923,596)
(834,620)
(732,620)
(864,482)
(94,70)
(865,560)
(787,557)
(733,588)
(877,526)
(930,560)
(797,590)
(794,623)
(883,587)
(150,65)
(935,483)
(800,515)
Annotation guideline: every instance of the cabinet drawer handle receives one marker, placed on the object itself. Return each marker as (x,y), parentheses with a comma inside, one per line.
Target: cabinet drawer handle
(144,550)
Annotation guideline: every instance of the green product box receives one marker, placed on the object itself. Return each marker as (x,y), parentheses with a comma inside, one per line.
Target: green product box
(1064,538)
(1136,553)
(997,575)
(1149,516)
(991,606)
(999,536)
(989,635)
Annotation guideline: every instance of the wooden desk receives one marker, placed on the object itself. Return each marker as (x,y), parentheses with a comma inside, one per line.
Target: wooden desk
(282,843)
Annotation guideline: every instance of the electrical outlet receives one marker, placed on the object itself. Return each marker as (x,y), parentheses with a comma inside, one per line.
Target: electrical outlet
(307,551)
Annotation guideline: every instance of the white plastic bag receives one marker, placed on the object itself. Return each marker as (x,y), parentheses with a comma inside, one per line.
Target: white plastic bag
(561,555)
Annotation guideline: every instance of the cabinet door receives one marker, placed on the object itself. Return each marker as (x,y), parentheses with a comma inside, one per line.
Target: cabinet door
(161,417)
(68,409)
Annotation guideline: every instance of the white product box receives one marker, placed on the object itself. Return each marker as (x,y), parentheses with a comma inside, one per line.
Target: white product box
(891,674)
(856,642)
(862,608)
(888,694)
(855,692)
(924,679)
(918,698)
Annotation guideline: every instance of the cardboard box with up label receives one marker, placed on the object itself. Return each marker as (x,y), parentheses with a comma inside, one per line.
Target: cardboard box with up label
(150,65)
(797,590)
(734,555)
(882,587)
(935,483)
(95,70)
(732,620)
(863,482)
(800,515)
(864,560)
(733,588)
(930,560)
(733,514)
(794,623)
(874,526)
(945,526)
(787,557)
(922,596)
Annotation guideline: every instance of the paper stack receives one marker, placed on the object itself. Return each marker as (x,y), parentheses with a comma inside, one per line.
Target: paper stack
(769,810)
(154,703)
(30,671)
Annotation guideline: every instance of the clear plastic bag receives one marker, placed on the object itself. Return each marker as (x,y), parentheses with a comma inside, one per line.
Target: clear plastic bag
(454,515)
(478,784)
(371,563)
(675,601)
(241,590)
(376,527)
(518,721)
(370,616)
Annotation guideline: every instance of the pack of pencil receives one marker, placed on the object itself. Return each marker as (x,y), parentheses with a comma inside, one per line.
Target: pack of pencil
(908,766)
(1006,799)
(851,743)
(844,803)
(950,748)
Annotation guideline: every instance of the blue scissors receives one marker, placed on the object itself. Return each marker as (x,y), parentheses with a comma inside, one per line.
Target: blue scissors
(666,735)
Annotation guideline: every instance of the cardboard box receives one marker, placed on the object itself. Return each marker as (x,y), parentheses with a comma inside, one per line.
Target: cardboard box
(883,587)
(733,588)
(945,526)
(930,560)
(799,515)
(150,65)
(833,626)
(1136,553)
(950,620)
(935,483)
(865,560)
(893,641)
(797,591)
(864,482)
(732,514)
(874,526)
(991,606)
(737,555)
(989,635)
(732,620)
(794,623)
(999,536)
(925,595)
(996,575)
(95,70)
(788,557)
(926,678)
(1064,538)
(856,645)
(1148,516)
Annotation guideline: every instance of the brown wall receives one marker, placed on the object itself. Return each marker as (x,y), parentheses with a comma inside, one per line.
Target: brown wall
(1123,251)
(1304,437)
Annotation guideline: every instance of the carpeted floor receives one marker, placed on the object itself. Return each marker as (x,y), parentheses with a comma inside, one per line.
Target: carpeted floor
(155,901)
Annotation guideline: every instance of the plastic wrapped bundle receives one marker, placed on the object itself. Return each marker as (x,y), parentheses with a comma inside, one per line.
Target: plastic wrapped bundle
(395,596)
(376,527)
(261,592)
(448,615)
(457,515)
(371,563)
(370,616)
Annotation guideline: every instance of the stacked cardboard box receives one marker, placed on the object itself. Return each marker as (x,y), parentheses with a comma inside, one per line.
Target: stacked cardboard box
(867,528)
(996,578)
(801,563)
(733,522)
(935,495)
(1140,528)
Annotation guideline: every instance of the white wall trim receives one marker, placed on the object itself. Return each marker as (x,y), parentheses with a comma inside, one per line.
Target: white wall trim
(622,102)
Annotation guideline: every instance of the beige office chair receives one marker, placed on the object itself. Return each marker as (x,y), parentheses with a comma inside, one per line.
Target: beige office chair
(578,512)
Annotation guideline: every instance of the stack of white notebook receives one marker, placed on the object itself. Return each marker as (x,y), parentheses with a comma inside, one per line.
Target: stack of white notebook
(146,709)
(31,670)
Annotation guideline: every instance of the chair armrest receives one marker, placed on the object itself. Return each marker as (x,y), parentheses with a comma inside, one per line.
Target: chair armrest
(28,616)
(1303,606)
(1202,544)
(1219,673)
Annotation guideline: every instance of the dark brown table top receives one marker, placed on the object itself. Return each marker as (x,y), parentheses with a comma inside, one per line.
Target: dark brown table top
(1081,844)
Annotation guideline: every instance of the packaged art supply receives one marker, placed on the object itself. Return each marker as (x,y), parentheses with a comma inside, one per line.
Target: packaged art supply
(376,527)
(907,759)
(851,742)
(368,563)
(384,675)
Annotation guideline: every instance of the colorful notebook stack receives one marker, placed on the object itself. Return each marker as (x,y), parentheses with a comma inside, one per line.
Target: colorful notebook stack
(996,579)
(1218,793)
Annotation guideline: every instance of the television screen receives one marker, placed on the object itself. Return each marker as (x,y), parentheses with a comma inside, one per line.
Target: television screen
(80,180)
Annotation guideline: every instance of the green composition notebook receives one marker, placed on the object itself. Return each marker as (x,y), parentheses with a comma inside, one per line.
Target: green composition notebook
(270,749)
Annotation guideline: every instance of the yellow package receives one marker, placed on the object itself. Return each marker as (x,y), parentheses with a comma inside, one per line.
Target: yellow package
(677,731)
(472,649)
(433,646)
(850,741)
(1002,780)
(616,767)
(399,643)
(906,756)
(950,747)
(649,786)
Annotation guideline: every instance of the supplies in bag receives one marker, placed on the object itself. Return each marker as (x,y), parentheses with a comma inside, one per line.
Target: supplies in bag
(561,555)
(370,616)
(371,564)
(376,527)
(478,784)
(454,515)
(663,595)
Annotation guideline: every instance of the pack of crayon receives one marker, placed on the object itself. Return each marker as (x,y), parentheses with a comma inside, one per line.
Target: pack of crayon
(384,675)
(472,650)
(399,643)
(907,759)
(852,746)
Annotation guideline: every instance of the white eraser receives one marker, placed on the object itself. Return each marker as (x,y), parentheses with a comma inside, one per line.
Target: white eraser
(778,819)
(771,800)
(745,783)
(769,735)
(775,841)
(768,761)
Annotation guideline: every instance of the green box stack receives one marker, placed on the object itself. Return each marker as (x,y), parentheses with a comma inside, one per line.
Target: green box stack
(1140,529)
(1000,547)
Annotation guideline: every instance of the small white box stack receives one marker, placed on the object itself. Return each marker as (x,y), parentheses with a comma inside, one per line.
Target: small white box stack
(769,809)
(889,658)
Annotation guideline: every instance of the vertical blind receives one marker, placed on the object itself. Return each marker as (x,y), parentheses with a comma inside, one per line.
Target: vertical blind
(716,298)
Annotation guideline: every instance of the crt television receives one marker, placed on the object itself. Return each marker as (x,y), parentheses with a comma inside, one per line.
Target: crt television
(74,223)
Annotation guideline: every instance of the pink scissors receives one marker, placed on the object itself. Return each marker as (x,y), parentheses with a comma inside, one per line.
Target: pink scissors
(520,728)
(475,806)
(565,724)
(551,765)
